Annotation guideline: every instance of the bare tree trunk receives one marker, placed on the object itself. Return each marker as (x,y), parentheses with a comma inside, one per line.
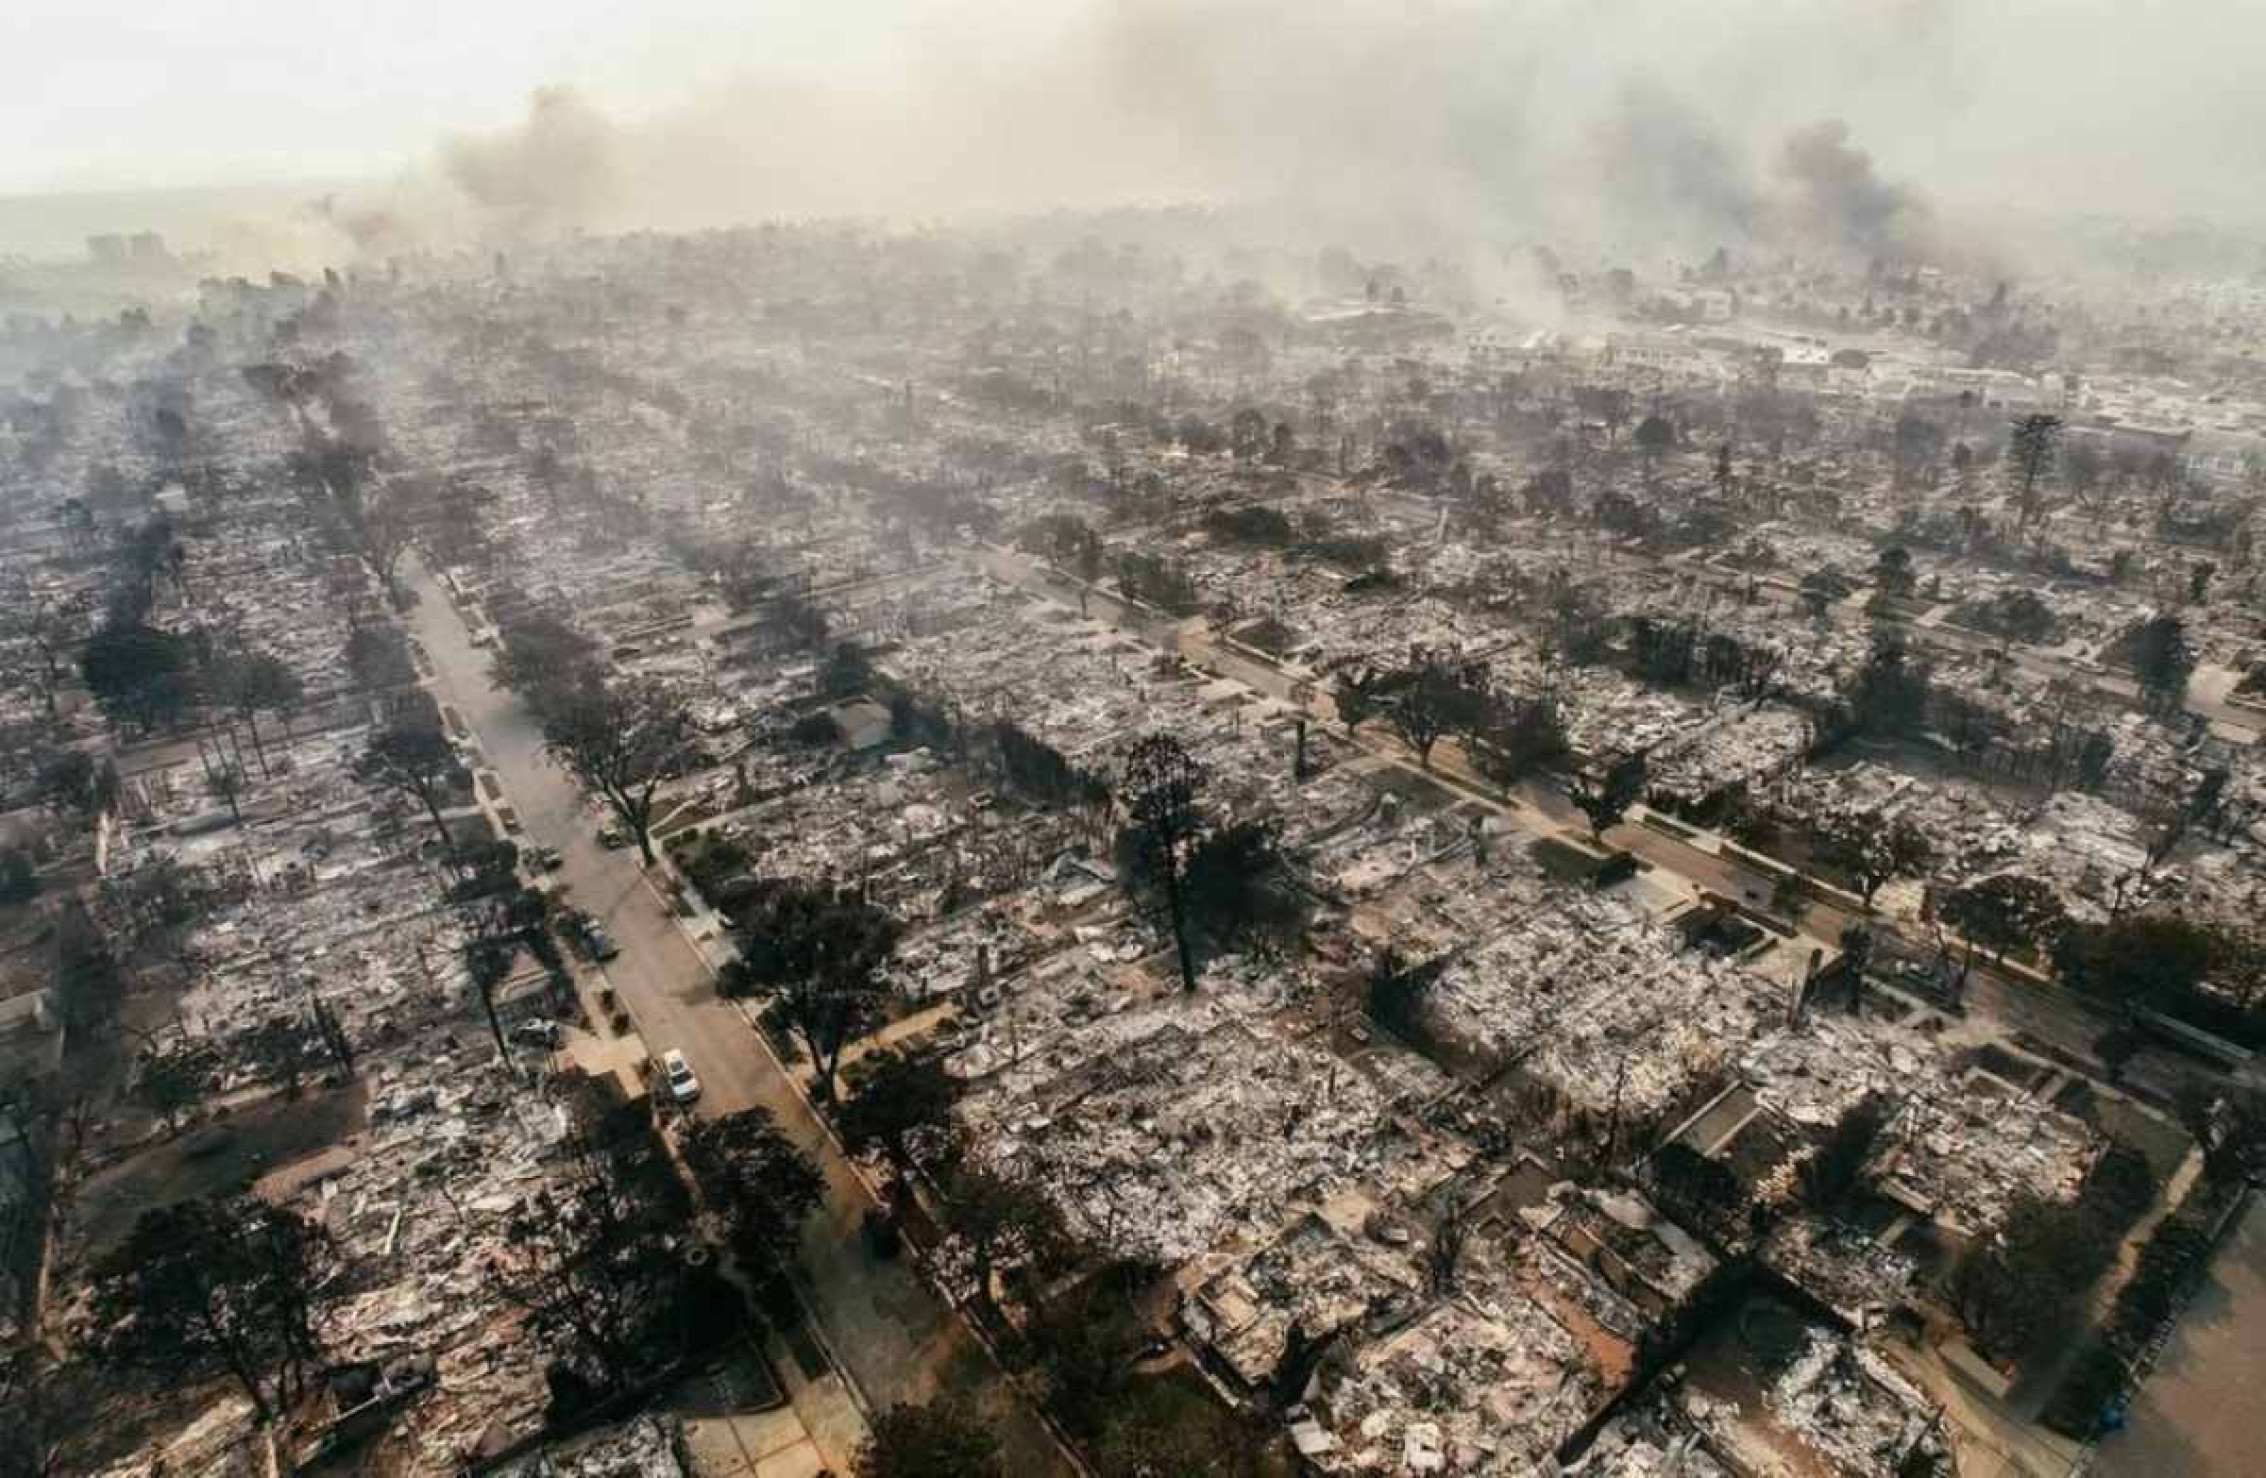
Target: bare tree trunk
(822,1061)
(240,1368)
(982,1270)
(252,722)
(1178,910)
(433,809)
(495,1026)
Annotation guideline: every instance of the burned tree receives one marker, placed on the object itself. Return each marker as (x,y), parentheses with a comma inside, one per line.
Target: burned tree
(622,741)
(942,1440)
(382,532)
(1519,737)
(2031,449)
(902,1106)
(227,781)
(2001,914)
(1838,1164)
(413,757)
(1888,695)
(50,636)
(1237,890)
(1443,1255)
(1872,849)
(1431,700)
(1821,589)
(1856,957)
(817,952)
(2163,659)
(66,783)
(1354,696)
(169,1084)
(1696,1185)
(377,657)
(593,1259)
(256,683)
(52,1415)
(1397,992)
(1005,1218)
(501,927)
(541,656)
(1159,792)
(760,1184)
(1606,797)
(217,1285)
(139,674)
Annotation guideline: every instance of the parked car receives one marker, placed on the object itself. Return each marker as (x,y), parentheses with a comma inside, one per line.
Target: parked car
(590,936)
(612,838)
(677,1076)
(544,859)
(539,1031)
(600,944)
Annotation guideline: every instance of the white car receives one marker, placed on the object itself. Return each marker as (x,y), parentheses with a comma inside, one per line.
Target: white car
(683,1083)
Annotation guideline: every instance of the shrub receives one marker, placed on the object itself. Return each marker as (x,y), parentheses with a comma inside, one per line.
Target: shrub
(2121,1187)
(18,883)
(2147,1299)
(2074,1409)
(814,729)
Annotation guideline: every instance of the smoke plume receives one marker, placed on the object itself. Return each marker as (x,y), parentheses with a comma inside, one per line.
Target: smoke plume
(1837,194)
(1473,128)
(557,168)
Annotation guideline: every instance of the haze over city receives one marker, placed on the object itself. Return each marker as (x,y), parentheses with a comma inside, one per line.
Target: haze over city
(1469,119)
(1132,738)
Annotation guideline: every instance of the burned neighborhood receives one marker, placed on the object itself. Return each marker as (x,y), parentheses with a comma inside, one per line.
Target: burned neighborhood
(1134,838)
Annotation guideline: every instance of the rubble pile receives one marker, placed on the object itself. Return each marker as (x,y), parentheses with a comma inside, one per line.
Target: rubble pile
(1191,1133)
(1850,1405)
(1318,1276)
(1966,1145)
(1470,1387)
(1741,748)
(647,1447)
(456,1143)
(1587,996)
(929,529)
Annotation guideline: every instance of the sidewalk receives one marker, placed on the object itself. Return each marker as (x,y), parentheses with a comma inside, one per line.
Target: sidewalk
(1994,1443)
(738,1426)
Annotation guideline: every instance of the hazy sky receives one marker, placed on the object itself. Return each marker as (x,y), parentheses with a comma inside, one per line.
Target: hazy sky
(103,94)
(1483,107)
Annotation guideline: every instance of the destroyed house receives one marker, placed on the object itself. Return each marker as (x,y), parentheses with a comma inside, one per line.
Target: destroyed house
(1635,1250)
(1315,1279)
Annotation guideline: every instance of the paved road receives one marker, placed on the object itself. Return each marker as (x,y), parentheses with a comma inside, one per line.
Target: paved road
(2200,1413)
(898,1340)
